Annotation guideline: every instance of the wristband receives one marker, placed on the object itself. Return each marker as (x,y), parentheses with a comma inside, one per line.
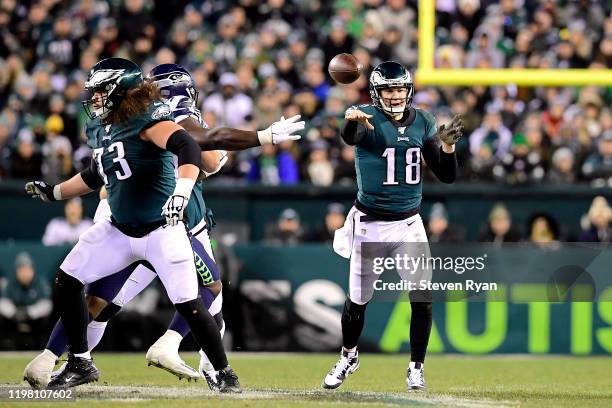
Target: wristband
(183,187)
(57,192)
(265,136)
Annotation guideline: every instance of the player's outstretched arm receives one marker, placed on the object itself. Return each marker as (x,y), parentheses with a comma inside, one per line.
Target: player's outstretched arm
(224,138)
(439,150)
(85,182)
(354,129)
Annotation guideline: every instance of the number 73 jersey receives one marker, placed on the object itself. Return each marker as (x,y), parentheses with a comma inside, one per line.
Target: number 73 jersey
(388,160)
(139,176)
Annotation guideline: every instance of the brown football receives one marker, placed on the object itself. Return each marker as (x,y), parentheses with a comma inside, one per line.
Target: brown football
(344,68)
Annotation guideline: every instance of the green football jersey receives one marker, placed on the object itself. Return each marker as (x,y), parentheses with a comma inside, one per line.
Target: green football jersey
(139,176)
(388,161)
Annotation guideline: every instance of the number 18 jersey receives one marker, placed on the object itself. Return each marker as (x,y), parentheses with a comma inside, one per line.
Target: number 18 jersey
(388,160)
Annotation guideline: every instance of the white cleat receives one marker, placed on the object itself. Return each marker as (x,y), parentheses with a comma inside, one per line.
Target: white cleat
(164,354)
(38,372)
(415,377)
(348,364)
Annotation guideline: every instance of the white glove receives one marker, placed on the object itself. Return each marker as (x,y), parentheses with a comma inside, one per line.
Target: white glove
(174,208)
(281,131)
(222,161)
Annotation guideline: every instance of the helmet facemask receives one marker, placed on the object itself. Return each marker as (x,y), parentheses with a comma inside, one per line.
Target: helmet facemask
(378,83)
(101,101)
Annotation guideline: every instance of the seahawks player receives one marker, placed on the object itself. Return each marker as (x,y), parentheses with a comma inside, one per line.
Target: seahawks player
(134,139)
(389,138)
(106,296)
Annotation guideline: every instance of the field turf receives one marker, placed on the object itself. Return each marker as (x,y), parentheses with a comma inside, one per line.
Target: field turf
(293,380)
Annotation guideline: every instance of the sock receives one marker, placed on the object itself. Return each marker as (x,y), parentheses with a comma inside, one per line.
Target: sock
(415,365)
(179,325)
(205,330)
(420,329)
(86,355)
(57,342)
(73,311)
(205,363)
(95,331)
(353,317)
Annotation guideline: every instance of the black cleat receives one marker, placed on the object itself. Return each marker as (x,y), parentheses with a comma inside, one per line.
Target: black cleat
(78,371)
(227,381)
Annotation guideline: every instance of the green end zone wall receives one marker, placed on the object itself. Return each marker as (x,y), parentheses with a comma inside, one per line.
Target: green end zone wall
(290,298)
(468,204)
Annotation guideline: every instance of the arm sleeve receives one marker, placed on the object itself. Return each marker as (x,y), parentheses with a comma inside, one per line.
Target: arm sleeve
(353,132)
(444,165)
(91,177)
(183,145)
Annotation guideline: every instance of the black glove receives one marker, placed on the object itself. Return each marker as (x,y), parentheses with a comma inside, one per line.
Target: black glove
(452,132)
(40,189)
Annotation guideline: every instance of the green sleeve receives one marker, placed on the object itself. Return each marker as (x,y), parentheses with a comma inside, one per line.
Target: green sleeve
(430,124)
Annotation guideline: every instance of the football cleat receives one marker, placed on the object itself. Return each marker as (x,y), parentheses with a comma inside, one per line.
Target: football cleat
(78,371)
(59,370)
(164,354)
(415,377)
(38,371)
(227,381)
(348,364)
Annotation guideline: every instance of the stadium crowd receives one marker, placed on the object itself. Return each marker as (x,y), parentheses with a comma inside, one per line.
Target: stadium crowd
(255,60)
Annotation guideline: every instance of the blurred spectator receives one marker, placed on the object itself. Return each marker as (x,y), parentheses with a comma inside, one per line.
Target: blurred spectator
(543,229)
(334,220)
(273,166)
(484,53)
(492,134)
(57,152)
(344,172)
(525,162)
(231,107)
(288,229)
(26,161)
(499,228)
(598,166)
(338,40)
(438,227)
(562,171)
(400,19)
(67,229)
(319,169)
(25,303)
(598,225)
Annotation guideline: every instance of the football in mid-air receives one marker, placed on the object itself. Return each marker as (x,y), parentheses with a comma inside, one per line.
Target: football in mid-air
(344,68)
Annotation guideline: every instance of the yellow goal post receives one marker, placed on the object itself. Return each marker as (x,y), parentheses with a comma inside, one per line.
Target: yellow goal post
(427,74)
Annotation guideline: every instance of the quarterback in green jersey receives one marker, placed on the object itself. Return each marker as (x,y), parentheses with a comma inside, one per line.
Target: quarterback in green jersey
(390,138)
(134,140)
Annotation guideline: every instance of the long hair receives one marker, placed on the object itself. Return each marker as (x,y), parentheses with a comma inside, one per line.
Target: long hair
(135,103)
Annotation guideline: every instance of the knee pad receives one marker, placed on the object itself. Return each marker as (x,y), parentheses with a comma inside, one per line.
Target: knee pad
(190,308)
(108,312)
(353,311)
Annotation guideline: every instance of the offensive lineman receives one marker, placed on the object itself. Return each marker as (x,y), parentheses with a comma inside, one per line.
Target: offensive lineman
(135,139)
(389,137)
(106,296)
